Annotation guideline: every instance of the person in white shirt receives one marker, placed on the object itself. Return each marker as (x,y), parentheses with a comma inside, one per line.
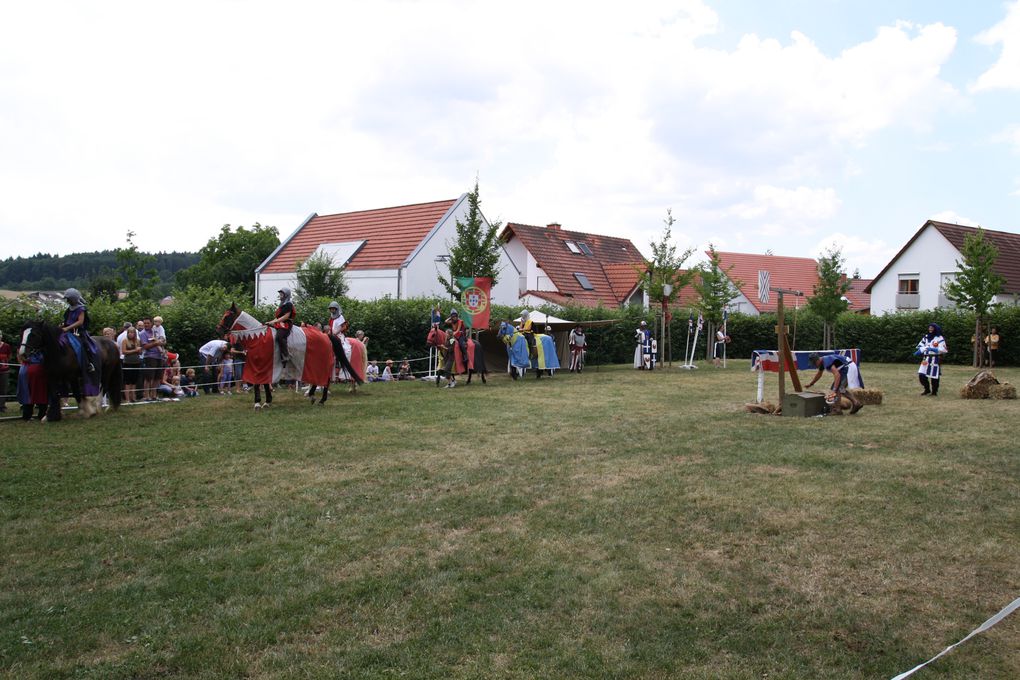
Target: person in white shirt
(212,354)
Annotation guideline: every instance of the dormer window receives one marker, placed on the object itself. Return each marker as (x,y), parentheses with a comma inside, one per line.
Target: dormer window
(585,249)
(573,247)
(583,280)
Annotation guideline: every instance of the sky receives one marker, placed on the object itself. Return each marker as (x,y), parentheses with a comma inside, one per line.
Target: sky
(790,126)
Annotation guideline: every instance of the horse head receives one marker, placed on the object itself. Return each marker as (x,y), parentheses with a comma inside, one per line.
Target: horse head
(436,337)
(38,336)
(227,320)
(506,332)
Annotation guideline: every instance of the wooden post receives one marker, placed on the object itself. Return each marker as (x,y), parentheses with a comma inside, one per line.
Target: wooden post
(781,346)
(785,356)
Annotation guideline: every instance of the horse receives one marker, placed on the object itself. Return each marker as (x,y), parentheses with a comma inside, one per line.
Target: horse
(437,338)
(519,360)
(65,376)
(311,355)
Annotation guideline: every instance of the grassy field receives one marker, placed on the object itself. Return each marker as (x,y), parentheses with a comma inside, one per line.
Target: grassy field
(612,525)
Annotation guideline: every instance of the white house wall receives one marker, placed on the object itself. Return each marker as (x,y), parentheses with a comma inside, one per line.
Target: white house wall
(421,276)
(929,256)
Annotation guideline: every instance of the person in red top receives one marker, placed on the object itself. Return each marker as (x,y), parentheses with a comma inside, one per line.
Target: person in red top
(283,321)
(459,330)
(5,359)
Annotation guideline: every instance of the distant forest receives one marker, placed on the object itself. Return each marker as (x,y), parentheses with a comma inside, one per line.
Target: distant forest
(57,272)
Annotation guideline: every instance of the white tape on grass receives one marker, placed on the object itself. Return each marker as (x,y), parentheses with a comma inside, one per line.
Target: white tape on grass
(1006,611)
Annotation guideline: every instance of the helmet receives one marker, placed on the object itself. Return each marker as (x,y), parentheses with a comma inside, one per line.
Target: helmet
(644,323)
(333,305)
(524,314)
(453,312)
(548,329)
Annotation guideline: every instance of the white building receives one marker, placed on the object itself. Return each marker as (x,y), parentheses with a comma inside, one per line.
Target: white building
(915,278)
(397,252)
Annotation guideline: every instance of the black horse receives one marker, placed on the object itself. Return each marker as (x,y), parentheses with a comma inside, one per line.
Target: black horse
(64,375)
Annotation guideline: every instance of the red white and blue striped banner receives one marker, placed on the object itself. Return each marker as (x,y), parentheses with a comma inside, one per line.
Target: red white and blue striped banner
(768,359)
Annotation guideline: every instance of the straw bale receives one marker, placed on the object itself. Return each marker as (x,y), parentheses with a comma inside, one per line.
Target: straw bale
(979,386)
(1002,391)
(868,397)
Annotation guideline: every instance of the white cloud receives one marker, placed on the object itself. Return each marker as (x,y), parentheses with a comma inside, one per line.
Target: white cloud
(953,217)
(1004,73)
(172,123)
(1010,136)
(867,255)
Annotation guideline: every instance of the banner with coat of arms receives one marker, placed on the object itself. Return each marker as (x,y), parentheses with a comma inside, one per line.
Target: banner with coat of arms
(476,300)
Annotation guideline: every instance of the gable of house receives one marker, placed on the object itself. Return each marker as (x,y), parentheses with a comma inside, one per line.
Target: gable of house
(390,236)
(586,269)
(794,273)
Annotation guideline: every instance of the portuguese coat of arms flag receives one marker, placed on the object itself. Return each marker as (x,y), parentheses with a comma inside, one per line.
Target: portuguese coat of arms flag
(475,297)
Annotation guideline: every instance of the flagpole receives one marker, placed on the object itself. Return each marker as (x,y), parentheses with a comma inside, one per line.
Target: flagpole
(687,346)
(725,317)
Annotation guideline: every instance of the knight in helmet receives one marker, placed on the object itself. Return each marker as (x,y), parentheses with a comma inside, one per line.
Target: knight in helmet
(529,333)
(76,325)
(459,330)
(283,321)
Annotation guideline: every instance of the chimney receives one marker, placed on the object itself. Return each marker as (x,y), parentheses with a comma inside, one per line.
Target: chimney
(553,225)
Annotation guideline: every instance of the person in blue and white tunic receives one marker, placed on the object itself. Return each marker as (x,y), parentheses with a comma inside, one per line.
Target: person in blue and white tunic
(643,351)
(931,348)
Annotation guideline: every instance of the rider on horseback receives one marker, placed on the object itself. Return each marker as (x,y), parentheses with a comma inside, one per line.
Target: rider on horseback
(283,321)
(76,325)
(336,331)
(529,334)
(459,331)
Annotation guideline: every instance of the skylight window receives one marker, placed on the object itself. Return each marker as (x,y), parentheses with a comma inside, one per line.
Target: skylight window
(583,280)
(585,249)
(573,247)
(340,253)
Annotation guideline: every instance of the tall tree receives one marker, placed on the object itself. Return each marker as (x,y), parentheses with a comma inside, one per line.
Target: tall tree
(666,265)
(319,277)
(230,258)
(715,289)
(976,283)
(476,250)
(136,271)
(828,297)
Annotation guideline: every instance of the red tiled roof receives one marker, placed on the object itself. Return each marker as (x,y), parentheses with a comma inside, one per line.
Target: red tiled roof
(624,277)
(392,234)
(859,300)
(797,273)
(1007,263)
(548,247)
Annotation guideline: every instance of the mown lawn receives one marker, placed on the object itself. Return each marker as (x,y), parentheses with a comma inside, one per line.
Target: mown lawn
(612,525)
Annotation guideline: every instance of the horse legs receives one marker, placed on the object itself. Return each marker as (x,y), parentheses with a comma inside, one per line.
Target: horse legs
(470,373)
(269,396)
(258,397)
(53,412)
(325,394)
(311,393)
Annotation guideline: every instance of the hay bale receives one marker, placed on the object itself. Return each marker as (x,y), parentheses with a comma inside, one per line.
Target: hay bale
(867,397)
(1002,391)
(765,408)
(978,387)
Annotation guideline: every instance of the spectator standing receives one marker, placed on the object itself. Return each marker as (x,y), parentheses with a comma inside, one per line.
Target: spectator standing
(5,360)
(123,334)
(992,343)
(131,352)
(152,359)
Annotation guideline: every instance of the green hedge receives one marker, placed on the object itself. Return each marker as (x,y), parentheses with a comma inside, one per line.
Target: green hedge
(397,328)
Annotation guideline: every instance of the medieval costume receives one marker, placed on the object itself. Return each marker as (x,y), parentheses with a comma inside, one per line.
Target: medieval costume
(459,331)
(578,345)
(931,347)
(839,367)
(643,351)
(76,335)
(336,331)
(32,386)
(529,334)
(283,321)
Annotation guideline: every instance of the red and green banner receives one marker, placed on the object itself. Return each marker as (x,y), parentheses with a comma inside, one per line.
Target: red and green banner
(475,296)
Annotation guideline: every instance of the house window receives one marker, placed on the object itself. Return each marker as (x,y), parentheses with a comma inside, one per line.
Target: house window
(908,286)
(944,279)
(583,280)
(908,292)
(585,249)
(573,247)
